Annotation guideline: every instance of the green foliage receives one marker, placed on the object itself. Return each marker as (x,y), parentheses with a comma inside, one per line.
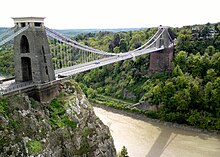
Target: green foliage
(118,80)
(180,60)
(86,132)
(152,114)
(7,62)
(123,152)
(34,147)
(215,60)
(198,38)
(3,140)
(91,93)
(210,50)
(177,71)
(58,118)
(184,41)
(108,101)
(4,107)
(154,96)
(191,91)
(191,95)
(34,103)
(13,123)
(84,149)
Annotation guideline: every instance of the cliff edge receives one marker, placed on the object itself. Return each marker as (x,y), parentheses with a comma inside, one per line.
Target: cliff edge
(65,127)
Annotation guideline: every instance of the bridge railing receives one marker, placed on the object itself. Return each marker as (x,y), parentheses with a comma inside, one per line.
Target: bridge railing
(15,87)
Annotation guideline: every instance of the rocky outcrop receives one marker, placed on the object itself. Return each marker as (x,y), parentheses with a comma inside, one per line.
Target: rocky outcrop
(66,127)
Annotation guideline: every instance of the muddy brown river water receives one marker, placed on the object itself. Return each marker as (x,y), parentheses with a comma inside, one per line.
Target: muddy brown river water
(147,139)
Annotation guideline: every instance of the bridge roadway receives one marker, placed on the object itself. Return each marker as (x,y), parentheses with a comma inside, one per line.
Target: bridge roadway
(101,62)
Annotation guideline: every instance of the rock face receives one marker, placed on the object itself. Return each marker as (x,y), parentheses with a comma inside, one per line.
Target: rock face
(66,127)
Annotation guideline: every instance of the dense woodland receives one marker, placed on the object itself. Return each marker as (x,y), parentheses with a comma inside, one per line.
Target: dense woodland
(6,61)
(189,94)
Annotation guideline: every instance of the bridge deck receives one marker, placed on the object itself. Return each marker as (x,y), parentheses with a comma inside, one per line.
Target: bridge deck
(101,62)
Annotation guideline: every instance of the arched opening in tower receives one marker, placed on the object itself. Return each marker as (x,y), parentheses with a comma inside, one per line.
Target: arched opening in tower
(26,69)
(24,45)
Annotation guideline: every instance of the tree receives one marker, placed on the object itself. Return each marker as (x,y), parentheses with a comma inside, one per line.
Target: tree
(184,41)
(124,152)
(208,95)
(177,71)
(194,88)
(194,64)
(154,96)
(190,95)
(181,99)
(181,82)
(7,63)
(205,64)
(116,49)
(194,118)
(123,45)
(115,41)
(215,60)
(217,28)
(181,60)
(168,92)
(210,75)
(136,41)
(205,32)
(216,96)
(217,42)
(210,50)
(91,93)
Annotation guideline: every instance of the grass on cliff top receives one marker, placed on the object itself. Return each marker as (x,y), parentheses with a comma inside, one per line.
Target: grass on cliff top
(58,115)
(34,147)
(3,107)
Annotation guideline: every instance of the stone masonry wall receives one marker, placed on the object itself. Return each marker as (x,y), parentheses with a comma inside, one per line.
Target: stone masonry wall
(161,60)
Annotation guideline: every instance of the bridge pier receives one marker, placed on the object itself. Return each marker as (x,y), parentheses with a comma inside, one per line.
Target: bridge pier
(40,92)
(46,92)
(161,60)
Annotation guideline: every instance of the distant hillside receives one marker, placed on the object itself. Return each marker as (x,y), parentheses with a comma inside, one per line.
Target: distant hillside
(74,32)
(2,29)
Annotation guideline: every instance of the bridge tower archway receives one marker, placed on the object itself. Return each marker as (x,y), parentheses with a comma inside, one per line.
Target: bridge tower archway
(26,69)
(32,57)
(24,45)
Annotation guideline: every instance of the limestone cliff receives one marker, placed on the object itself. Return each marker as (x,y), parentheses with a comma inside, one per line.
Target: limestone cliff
(66,127)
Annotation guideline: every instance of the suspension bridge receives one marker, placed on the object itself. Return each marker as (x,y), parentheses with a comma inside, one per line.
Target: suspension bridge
(43,55)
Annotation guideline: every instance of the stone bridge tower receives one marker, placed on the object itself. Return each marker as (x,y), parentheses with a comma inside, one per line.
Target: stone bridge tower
(161,60)
(33,60)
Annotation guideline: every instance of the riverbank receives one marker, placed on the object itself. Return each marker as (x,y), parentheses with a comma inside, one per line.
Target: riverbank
(157,121)
(144,137)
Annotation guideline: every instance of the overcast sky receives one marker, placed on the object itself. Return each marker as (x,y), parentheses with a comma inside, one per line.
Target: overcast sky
(73,14)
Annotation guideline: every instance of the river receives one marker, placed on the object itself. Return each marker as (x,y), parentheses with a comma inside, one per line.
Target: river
(148,139)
